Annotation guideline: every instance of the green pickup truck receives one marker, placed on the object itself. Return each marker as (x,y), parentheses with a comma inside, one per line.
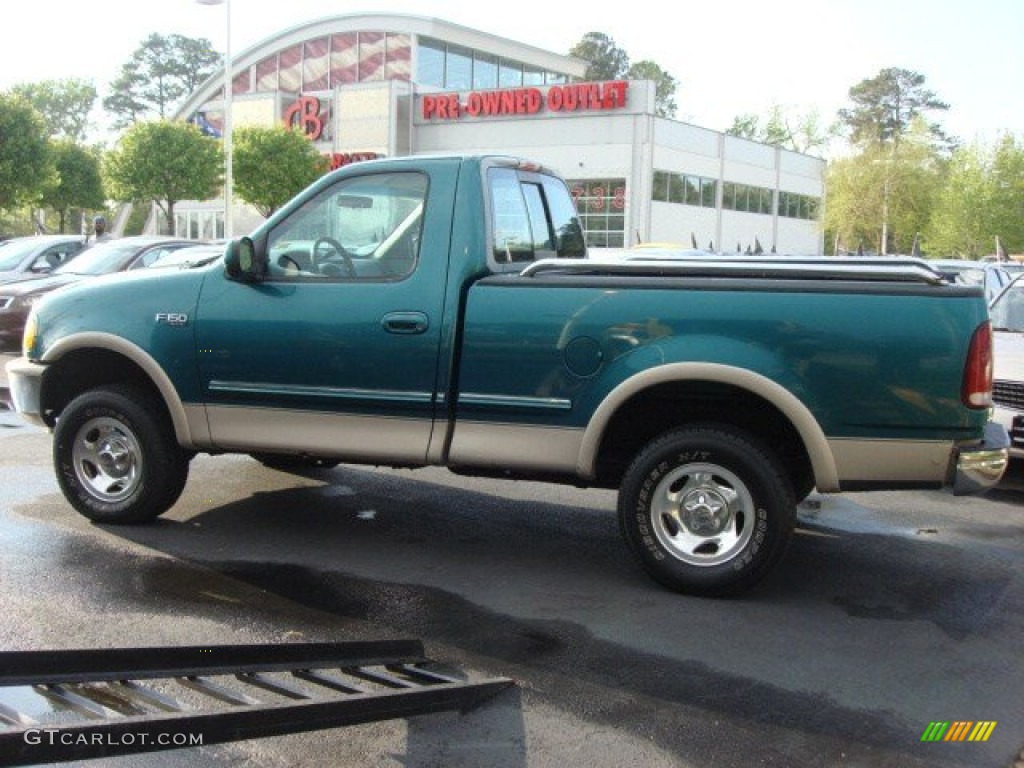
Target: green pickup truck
(442,311)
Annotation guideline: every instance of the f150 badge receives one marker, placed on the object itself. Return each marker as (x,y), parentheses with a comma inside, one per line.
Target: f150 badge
(171,318)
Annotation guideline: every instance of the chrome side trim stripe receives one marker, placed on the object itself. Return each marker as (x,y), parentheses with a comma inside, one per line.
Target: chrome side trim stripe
(513,401)
(334,393)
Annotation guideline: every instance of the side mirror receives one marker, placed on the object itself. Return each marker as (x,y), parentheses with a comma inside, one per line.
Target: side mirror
(242,262)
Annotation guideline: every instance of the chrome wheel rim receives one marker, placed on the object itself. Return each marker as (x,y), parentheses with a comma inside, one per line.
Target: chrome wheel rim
(702,514)
(107,460)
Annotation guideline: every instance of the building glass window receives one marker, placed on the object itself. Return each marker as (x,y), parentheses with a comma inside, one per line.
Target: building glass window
(660,189)
(533,76)
(692,190)
(729,196)
(485,71)
(709,193)
(430,62)
(676,189)
(601,204)
(510,73)
(458,70)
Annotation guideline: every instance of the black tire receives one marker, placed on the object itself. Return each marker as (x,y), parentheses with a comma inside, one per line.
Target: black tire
(803,485)
(287,461)
(707,510)
(116,456)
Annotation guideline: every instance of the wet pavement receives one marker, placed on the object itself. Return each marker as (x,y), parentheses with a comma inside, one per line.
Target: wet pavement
(891,610)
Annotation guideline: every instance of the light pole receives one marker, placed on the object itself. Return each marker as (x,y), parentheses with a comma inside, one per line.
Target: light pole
(228,88)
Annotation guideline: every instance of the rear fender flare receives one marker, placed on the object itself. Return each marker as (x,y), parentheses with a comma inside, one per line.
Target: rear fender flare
(823,462)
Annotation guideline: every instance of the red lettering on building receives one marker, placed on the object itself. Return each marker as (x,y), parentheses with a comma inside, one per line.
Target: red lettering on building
(339,159)
(573,97)
(305,114)
(444,106)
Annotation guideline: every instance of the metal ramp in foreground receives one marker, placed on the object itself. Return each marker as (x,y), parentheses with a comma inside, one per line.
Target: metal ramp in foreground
(79,704)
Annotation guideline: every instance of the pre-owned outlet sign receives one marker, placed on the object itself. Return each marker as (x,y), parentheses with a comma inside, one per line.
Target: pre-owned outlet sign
(574,97)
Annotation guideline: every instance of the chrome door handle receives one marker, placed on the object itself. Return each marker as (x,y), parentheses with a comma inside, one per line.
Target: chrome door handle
(405,322)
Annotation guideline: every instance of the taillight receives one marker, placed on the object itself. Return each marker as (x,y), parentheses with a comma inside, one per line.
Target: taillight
(977,388)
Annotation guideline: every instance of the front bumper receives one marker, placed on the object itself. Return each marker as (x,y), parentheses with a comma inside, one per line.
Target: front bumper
(980,464)
(25,380)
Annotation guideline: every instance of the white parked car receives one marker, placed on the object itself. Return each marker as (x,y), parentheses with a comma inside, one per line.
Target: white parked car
(1007,313)
(992,276)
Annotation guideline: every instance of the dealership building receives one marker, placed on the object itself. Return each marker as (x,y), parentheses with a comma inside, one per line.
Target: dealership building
(380,85)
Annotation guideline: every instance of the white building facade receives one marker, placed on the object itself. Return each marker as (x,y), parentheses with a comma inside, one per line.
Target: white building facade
(366,86)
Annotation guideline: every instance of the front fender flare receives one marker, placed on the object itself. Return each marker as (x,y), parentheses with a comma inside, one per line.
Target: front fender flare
(190,432)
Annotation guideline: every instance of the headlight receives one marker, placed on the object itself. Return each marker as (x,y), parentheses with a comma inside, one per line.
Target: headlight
(28,340)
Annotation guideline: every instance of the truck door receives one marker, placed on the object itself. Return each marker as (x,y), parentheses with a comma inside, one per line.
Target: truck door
(335,352)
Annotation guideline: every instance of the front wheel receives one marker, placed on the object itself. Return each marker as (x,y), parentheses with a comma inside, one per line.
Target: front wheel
(706,510)
(116,456)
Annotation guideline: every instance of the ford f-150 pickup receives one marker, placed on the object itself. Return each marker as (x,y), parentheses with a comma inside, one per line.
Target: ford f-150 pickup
(443,311)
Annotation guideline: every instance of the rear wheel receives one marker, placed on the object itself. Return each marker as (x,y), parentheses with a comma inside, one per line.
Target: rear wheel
(706,510)
(116,456)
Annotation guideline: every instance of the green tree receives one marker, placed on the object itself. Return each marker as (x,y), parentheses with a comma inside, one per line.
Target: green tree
(1008,193)
(160,73)
(882,199)
(79,184)
(665,85)
(272,165)
(801,132)
(64,104)
(605,60)
(26,160)
(886,106)
(164,162)
(982,198)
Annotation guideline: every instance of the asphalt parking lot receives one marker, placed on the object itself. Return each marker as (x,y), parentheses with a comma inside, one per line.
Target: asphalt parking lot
(891,611)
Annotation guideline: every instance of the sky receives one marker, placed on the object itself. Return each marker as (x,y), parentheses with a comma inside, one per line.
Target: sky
(729,57)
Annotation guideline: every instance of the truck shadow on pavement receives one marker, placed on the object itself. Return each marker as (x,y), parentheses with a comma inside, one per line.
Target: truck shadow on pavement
(548,594)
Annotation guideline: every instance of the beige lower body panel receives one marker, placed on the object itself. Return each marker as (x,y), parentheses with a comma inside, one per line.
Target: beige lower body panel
(362,439)
(896,461)
(516,446)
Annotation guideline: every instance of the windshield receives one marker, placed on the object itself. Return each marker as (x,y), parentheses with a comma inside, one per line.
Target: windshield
(12,252)
(963,275)
(101,259)
(1007,312)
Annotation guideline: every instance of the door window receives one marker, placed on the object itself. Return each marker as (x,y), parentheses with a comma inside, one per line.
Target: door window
(363,228)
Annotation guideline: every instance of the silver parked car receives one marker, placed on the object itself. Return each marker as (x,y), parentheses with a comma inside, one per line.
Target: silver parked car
(1007,314)
(966,272)
(28,257)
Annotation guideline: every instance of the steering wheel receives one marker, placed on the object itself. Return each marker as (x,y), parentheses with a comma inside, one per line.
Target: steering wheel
(326,265)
